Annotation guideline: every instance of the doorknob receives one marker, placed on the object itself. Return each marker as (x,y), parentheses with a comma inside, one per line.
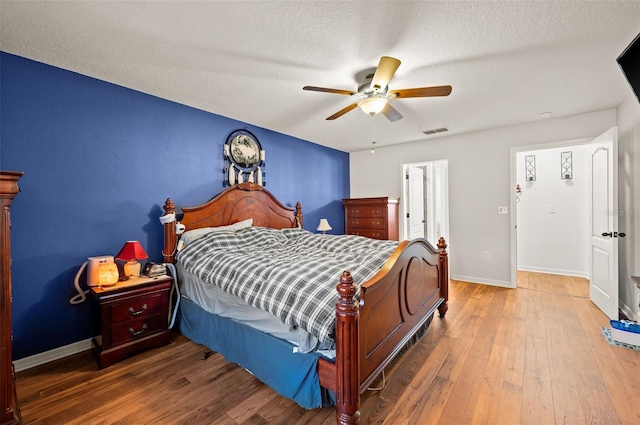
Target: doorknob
(614,234)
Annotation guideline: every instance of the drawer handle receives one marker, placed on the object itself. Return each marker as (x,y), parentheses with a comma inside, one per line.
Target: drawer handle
(134,333)
(139,312)
(356,211)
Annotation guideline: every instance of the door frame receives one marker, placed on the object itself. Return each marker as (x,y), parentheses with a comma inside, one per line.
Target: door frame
(513,198)
(404,204)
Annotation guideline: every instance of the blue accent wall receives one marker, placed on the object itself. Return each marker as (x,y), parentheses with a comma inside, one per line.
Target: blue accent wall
(99,162)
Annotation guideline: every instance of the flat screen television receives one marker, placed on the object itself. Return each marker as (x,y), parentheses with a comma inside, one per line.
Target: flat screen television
(629,61)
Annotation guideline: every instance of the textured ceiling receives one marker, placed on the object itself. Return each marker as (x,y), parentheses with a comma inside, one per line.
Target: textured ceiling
(507,61)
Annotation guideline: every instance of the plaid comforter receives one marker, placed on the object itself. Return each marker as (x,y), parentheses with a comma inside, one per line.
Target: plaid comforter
(290,273)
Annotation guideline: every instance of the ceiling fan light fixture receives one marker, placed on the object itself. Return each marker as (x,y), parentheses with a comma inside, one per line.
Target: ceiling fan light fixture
(373,105)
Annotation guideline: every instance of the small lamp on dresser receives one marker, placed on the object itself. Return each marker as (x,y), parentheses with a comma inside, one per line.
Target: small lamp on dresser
(131,252)
(324,226)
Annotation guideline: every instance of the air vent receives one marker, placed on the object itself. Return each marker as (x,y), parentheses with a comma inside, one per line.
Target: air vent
(436,130)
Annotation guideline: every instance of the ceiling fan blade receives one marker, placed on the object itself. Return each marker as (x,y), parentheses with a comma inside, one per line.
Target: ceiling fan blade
(391,113)
(343,111)
(386,68)
(422,92)
(326,90)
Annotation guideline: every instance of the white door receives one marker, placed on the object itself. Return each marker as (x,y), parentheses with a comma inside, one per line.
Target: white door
(416,202)
(603,288)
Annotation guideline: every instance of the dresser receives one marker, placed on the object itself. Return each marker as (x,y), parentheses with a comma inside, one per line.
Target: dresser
(130,316)
(375,218)
(10,412)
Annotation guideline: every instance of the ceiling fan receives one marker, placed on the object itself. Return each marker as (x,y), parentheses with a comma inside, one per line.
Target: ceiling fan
(374,92)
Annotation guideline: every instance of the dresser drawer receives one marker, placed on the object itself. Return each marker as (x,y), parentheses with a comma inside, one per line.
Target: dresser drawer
(137,307)
(373,234)
(136,329)
(367,211)
(367,223)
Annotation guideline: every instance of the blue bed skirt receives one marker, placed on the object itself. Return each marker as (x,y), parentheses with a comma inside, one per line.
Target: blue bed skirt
(270,359)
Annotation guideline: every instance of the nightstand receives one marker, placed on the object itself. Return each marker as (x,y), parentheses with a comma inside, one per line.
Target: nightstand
(130,316)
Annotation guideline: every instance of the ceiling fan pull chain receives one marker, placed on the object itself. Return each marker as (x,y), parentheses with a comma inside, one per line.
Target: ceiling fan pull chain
(373,133)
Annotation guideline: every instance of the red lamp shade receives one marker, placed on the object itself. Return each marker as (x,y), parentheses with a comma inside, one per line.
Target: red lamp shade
(132,250)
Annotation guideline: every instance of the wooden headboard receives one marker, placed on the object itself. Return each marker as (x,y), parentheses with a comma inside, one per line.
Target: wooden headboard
(237,203)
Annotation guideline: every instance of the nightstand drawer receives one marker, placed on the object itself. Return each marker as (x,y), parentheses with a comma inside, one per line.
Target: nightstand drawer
(367,223)
(136,329)
(367,211)
(373,234)
(137,307)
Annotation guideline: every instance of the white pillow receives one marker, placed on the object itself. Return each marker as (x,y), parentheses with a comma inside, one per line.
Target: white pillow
(191,235)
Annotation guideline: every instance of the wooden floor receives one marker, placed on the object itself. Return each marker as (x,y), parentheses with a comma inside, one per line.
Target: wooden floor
(532,355)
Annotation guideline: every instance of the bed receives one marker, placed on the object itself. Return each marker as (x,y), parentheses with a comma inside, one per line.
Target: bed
(374,322)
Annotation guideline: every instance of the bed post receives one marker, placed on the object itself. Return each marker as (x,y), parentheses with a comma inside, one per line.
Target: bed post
(168,250)
(444,277)
(347,353)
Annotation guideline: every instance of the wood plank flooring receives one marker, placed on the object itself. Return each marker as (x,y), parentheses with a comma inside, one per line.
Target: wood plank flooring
(532,355)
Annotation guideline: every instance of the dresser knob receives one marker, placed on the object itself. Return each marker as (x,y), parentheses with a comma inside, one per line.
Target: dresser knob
(139,312)
(134,333)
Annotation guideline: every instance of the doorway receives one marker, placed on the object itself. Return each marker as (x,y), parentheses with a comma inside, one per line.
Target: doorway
(426,200)
(552,210)
(600,171)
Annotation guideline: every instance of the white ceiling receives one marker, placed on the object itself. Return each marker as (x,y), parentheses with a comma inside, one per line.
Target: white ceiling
(248,60)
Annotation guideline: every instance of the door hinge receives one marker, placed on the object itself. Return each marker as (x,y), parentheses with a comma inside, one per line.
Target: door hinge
(407,215)
(406,176)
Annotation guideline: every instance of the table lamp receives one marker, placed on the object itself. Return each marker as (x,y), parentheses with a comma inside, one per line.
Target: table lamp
(131,252)
(323,226)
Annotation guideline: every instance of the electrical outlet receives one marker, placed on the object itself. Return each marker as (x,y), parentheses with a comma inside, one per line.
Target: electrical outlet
(502,210)
(485,255)
(552,209)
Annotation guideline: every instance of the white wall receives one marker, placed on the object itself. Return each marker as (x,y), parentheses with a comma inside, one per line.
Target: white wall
(553,214)
(479,167)
(629,201)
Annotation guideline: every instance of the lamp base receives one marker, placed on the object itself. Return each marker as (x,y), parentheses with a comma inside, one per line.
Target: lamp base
(131,268)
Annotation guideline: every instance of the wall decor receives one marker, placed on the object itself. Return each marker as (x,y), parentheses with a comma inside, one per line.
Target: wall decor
(518,192)
(566,165)
(530,167)
(244,159)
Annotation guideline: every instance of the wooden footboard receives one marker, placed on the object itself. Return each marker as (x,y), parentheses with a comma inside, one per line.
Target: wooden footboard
(394,305)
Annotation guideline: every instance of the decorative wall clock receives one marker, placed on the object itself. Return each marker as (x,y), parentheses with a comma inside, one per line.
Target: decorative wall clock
(244,159)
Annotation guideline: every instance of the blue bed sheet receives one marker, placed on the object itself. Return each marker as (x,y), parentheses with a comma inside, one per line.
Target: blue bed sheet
(270,359)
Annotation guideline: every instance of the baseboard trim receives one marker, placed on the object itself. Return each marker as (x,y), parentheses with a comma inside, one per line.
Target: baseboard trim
(51,355)
(554,271)
(482,281)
